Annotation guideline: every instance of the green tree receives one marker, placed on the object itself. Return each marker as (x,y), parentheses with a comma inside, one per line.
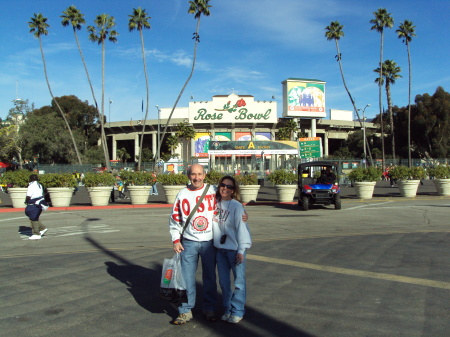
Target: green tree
(44,137)
(8,142)
(172,143)
(147,155)
(103,31)
(431,124)
(198,8)
(382,20)
(406,31)
(38,27)
(334,32)
(287,131)
(123,155)
(390,73)
(139,20)
(72,16)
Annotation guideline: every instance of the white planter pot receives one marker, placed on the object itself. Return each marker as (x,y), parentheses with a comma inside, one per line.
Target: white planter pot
(249,193)
(139,194)
(408,188)
(60,196)
(100,195)
(171,192)
(285,193)
(442,186)
(18,195)
(364,189)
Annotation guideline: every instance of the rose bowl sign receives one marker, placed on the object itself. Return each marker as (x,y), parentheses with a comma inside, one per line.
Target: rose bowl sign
(233,109)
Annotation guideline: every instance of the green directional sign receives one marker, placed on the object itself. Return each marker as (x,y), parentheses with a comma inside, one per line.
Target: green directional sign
(310,147)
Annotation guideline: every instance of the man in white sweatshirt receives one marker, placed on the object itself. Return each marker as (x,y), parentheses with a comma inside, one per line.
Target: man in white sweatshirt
(197,241)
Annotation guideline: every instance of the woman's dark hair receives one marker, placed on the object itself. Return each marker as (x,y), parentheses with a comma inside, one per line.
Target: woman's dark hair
(236,192)
(34,177)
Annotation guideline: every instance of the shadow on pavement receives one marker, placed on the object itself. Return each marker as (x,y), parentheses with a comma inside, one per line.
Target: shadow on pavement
(143,284)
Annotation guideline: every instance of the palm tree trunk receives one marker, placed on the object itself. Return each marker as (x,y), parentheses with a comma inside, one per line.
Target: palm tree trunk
(353,102)
(380,102)
(409,106)
(184,86)
(104,144)
(56,102)
(147,99)
(391,117)
(102,121)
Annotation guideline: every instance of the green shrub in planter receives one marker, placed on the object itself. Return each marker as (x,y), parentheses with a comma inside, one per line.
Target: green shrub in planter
(418,173)
(406,173)
(138,178)
(58,180)
(172,179)
(213,177)
(16,178)
(92,179)
(360,174)
(283,177)
(246,179)
(125,176)
(439,172)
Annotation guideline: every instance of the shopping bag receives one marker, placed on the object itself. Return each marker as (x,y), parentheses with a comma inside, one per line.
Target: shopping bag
(173,287)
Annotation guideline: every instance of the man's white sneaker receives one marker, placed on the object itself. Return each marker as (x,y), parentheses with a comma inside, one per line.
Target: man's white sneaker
(234,319)
(34,237)
(42,232)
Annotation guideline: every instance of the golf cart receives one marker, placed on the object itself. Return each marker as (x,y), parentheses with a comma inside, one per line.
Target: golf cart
(318,184)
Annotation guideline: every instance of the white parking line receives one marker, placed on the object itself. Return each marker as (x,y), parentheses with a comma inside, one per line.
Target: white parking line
(369,205)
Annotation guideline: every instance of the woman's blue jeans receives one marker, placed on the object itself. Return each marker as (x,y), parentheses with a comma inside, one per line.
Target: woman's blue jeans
(233,302)
(189,262)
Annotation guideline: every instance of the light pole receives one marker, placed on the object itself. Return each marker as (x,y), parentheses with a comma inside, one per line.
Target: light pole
(158,140)
(364,135)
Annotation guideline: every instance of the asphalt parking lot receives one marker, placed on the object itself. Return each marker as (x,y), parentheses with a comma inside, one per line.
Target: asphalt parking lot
(379,267)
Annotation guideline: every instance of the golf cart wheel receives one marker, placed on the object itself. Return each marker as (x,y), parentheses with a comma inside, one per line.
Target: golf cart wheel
(303,202)
(337,202)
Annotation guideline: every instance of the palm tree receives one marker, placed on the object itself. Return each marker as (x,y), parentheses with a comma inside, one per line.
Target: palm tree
(104,23)
(74,17)
(197,7)
(406,32)
(382,20)
(172,143)
(38,27)
(334,32)
(139,20)
(390,73)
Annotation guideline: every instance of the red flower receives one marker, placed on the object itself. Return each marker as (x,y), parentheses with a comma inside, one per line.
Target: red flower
(241,102)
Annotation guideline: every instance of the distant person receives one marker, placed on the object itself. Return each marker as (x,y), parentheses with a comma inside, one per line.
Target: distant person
(35,202)
(232,239)
(327,176)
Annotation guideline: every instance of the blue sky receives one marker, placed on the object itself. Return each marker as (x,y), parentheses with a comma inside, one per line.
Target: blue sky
(246,46)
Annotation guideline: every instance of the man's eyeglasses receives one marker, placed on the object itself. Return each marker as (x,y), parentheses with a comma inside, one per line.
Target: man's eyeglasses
(230,187)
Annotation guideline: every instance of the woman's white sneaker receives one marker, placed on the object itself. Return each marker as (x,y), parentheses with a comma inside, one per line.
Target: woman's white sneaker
(42,232)
(34,237)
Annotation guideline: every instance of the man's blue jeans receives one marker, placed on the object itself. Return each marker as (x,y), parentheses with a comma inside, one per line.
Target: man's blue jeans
(233,302)
(189,262)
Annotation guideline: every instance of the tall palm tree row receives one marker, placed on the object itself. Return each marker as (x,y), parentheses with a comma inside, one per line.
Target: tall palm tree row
(390,74)
(334,32)
(382,20)
(103,30)
(406,31)
(139,20)
(72,16)
(198,8)
(38,27)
